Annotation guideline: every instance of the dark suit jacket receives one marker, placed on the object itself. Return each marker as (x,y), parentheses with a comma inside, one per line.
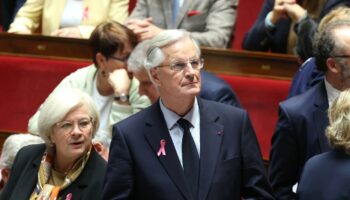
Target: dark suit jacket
(307,76)
(326,176)
(24,174)
(259,38)
(299,135)
(215,89)
(230,158)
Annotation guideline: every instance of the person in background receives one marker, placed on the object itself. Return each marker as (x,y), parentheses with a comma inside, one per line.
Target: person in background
(300,130)
(210,23)
(9,9)
(308,75)
(274,29)
(184,147)
(67,18)
(113,90)
(66,166)
(102,142)
(11,146)
(212,87)
(327,176)
(307,27)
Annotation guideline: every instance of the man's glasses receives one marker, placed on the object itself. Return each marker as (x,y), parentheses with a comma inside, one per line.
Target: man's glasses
(84,124)
(196,64)
(341,56)
(123,60)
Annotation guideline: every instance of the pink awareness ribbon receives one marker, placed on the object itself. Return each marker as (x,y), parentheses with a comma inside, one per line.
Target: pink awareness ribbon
(161,150)
(86,13)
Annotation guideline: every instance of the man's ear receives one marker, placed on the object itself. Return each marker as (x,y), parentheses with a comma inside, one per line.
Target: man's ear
(155,76)
(100,59)
(333,66)
(5,174)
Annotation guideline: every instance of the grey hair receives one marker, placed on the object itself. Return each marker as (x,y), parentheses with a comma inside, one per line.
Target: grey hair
(103,137)
(326,45)
(138,56)
(154,54)
(58,105)
(13,144)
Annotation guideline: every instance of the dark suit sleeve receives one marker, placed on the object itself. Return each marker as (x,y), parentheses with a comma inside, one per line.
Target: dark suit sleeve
(119,178)
(255,183)
(16,170)
(259,38)
(305,30)
(283,167)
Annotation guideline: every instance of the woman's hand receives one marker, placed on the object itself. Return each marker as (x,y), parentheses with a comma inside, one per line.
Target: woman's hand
(279,10)
(72,32)
(120,81)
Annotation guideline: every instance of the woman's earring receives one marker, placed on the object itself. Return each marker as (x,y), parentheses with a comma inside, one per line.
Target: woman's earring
(103,73)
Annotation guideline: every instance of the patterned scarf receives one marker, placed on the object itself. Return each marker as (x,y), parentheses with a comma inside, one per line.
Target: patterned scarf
(45,191)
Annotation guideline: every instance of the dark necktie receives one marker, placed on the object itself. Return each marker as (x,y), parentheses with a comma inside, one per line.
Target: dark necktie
(190,158)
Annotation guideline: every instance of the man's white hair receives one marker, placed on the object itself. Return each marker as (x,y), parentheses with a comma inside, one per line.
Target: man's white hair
(154,54)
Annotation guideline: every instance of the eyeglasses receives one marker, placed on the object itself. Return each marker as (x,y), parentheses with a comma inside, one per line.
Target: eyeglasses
(341,56)
(123,60)
(84,124)
(181,65)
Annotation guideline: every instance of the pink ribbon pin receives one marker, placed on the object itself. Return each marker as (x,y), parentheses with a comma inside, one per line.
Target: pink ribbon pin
(69,196)
(86,13)
(161,150)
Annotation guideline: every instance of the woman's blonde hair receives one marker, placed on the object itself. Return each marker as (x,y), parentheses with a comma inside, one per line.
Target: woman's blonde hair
(338,131)
(338,14)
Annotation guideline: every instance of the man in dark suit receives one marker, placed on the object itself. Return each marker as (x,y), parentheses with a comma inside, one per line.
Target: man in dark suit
(212,87)
(184,147)
(300,131)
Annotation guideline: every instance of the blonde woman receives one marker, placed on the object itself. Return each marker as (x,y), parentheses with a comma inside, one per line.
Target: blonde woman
(327,176)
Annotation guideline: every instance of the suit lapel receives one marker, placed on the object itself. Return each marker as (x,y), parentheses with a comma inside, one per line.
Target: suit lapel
(210,139)
(155,131)
(320,116)
(28,184)
(183,12)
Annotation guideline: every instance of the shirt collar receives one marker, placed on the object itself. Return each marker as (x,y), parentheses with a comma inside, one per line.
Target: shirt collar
(171,118)
(332,92)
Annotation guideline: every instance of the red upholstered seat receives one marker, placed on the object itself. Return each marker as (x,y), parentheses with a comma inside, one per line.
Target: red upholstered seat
(260,97)
(25,83)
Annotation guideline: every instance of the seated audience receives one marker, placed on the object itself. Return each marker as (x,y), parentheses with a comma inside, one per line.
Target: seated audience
(106,81)
(66,166)
(212,87)
(273,30)
(9,9)
(300,131)
(69,18)
(327,176)
(11,146)
(307,27)
(308,75)
(210,23)
(184,147)
(101,142)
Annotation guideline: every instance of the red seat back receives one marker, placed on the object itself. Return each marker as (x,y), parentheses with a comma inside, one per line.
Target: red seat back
(26,82)
(260,97)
